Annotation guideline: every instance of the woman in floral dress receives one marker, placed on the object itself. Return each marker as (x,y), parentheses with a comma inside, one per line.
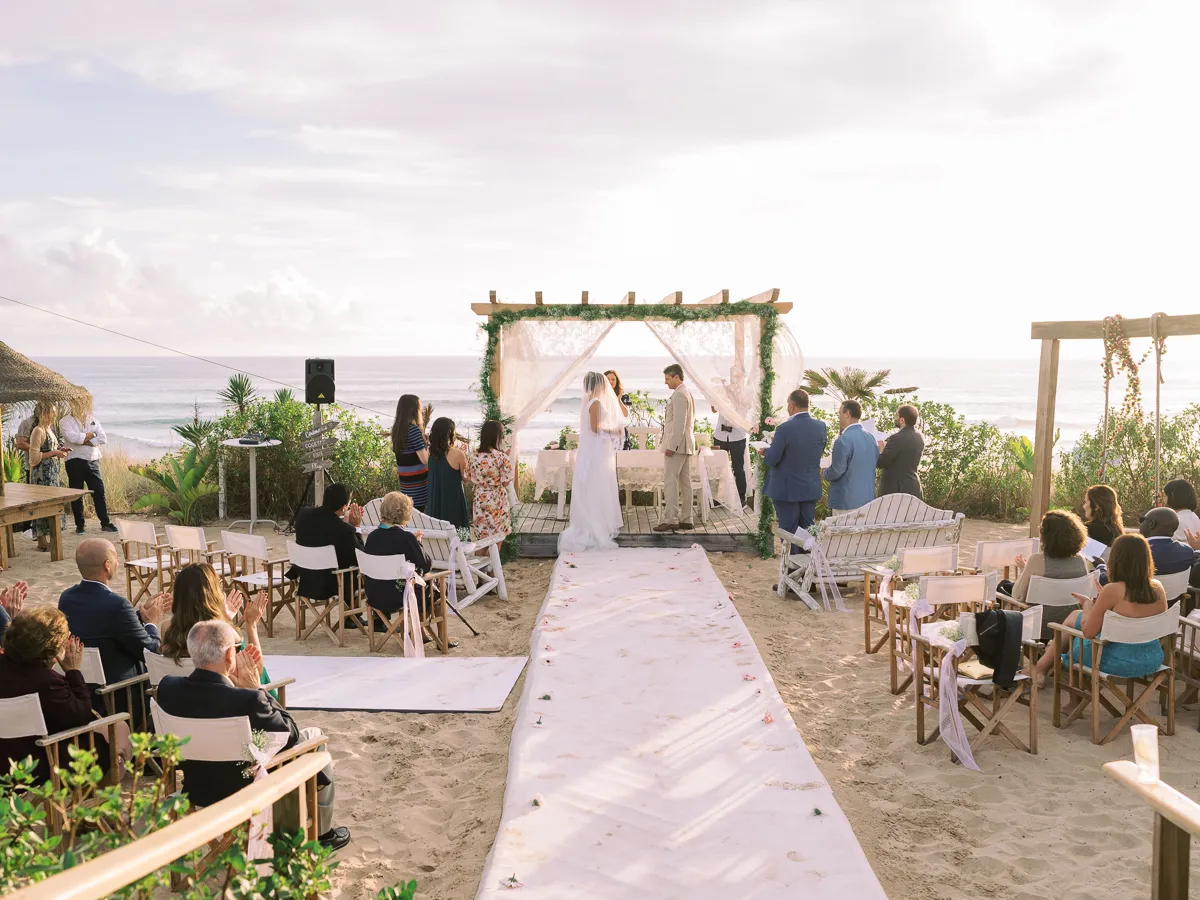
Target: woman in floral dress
(491,472)
(45,464)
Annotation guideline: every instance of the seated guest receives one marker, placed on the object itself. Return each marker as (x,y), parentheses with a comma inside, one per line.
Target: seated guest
(1102,514)
(224,684)
(390,539)
(901,454)
(1062,537)
(197,598)
(447,463)
(1170,556)
(1180,496)
(332,524)
(1132,592)
(35,640)
(106,620)
(855,455)
(11,601)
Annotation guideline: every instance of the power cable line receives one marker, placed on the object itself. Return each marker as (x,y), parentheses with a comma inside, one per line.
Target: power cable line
(211,362)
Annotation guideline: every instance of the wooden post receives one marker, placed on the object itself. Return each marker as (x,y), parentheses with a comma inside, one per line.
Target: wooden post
(491,296)
(319,475)
(1043,436)
(537,298)
(1169,870)
(675,297)
(724,295)
(629,298)
(583,299)
(1,460)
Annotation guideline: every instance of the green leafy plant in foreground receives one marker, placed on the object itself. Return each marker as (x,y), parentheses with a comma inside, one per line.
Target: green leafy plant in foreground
(182,484)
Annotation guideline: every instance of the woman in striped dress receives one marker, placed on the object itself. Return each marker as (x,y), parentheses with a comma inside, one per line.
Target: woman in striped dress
(412,452)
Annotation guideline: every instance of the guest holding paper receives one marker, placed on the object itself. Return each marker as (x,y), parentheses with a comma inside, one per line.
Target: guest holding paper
(794,465)
(1102,514)
(851,474)
(901,454)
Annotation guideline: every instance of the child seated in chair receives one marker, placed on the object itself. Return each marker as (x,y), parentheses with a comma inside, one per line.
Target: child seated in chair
(391,539)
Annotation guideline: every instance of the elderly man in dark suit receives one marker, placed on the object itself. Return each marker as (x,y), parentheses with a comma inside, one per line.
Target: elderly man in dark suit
(1170,556)
(900,456)
(225,684)
(794,465)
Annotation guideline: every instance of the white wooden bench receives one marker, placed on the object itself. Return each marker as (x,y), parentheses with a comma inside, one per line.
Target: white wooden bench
(869,534)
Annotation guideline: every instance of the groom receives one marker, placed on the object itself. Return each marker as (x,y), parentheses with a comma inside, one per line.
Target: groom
(679,446)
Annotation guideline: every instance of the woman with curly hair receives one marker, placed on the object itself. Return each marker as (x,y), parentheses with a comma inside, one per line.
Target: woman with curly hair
(1102,514)
(447,462)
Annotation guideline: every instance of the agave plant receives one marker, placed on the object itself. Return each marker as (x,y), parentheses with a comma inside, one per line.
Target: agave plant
(14,465)
(1020,449)
(847,383)
(182,487)
(284,396)
(239,392)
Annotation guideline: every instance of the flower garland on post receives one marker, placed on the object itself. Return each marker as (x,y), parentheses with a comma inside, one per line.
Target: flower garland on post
(764,537)
(1117,350)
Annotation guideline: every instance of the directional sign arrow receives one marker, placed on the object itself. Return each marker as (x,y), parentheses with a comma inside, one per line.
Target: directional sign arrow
(319,444)
(317,466)
(320,429)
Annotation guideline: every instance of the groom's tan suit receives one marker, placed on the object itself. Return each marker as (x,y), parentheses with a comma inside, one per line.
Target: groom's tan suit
(679,428)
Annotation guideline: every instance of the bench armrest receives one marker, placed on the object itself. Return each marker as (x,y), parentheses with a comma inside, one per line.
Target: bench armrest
(299,750)
(118,685)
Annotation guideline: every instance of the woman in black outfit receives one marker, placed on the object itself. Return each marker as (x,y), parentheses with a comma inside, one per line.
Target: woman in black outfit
(1102,514)
(391,539)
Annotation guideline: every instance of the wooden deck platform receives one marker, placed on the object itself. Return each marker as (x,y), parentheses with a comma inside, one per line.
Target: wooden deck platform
(724,532)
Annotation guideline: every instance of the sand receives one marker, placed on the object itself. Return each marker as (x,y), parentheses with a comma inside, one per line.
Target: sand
(422,794)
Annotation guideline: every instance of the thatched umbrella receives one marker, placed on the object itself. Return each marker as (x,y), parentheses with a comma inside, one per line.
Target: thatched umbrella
(24,381)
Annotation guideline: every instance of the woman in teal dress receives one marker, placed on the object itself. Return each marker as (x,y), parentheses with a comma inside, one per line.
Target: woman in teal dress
(1132,592)
(446,465)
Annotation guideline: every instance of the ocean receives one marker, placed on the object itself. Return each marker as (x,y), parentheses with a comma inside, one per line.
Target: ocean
(139,398)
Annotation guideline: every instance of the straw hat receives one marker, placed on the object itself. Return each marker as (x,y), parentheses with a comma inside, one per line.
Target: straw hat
(24,381)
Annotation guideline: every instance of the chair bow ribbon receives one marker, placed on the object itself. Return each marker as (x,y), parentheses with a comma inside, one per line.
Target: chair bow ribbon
(823,568)
(262,822)
(949,715)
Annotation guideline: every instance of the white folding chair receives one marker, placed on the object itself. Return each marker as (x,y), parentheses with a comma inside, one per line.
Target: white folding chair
(253,570)
(159,667)
(1002,556)
(394,568)
(147,559)
(937,560)
(91,666)
(371,512)
(1057,595)
(324,559)
(1175,584)
(21,717)
(190,545)
(476,575)
(1093,687)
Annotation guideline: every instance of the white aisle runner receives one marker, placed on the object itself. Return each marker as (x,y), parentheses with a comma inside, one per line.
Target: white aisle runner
(652,755)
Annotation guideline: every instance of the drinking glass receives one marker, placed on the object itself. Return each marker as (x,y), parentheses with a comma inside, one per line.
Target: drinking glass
(1145,752)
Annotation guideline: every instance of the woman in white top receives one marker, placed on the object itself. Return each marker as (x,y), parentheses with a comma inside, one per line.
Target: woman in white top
(1180,496)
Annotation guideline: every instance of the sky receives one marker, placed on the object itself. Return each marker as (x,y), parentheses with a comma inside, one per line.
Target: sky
(918,178)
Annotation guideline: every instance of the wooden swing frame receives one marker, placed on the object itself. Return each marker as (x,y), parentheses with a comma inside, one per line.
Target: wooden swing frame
(1051,334)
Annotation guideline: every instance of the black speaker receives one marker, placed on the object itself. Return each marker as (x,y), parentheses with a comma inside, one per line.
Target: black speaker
(318,381)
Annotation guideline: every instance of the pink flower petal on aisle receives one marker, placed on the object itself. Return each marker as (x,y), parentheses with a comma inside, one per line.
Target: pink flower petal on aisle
(736,644)
(768,719)
(511,883)
(749,678)
(548,647)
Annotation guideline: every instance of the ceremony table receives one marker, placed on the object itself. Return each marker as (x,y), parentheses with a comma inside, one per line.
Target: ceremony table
(641,470)
(237,444)
(25,502)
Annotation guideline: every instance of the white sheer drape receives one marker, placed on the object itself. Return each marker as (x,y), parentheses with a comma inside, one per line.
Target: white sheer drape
(538,359)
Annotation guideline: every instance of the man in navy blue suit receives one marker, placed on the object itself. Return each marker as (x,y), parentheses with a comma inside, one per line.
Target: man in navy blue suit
(1170,556)
(794,465)
(106,620)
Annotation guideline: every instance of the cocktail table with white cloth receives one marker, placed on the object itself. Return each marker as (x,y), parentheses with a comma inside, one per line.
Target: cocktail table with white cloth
(253,448)
(640,470)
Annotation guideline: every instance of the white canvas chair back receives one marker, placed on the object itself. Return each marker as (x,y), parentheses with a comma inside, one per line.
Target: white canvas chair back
(252,546)
(211,740)
(939,590)
(21,717)
(136,532)
(437,547)
(922,560)
(1057,591)
(159,667)
(187,537)
(1003,554)
(1031,625)
(315,559)
(1175,585)
(90,667)
(1117,629)
(385,568)
(371,512)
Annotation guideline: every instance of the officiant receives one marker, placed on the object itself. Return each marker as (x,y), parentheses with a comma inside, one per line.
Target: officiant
(730,438)
(900,456)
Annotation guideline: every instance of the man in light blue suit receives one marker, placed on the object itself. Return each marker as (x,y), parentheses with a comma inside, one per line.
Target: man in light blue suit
(794,465)
(851,473)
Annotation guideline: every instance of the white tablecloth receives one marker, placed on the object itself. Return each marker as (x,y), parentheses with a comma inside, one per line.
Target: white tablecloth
(642,470)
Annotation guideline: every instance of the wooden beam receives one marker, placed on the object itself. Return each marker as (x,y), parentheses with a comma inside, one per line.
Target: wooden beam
(629,298)
(725,295)
(537,298)
(1168,326)
(488,309)
(675,297)
(771,296)
(1176,817)
(491,296)
(1043,435)
(583,300)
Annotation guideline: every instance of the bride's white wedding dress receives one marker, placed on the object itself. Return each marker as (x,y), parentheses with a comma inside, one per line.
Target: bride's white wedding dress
(595,502)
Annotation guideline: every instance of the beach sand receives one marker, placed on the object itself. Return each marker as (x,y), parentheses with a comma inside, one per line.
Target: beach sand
(422,794)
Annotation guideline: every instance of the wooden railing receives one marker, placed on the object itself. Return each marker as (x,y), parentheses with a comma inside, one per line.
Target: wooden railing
(114,870)
(1176,819)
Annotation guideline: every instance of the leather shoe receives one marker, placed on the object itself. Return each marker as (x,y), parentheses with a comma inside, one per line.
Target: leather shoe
(81,530)
(664,528)
(335,838)
(110,528)
(686,526)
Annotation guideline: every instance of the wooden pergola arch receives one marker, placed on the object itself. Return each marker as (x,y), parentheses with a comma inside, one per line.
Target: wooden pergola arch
(1051,334)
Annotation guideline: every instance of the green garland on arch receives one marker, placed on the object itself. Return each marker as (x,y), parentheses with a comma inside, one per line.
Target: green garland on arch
(764,538)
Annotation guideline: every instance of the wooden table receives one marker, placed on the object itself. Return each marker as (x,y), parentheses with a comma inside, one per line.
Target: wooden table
(23,502)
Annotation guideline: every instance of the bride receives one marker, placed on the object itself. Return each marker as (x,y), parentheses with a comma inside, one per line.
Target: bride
(595,503)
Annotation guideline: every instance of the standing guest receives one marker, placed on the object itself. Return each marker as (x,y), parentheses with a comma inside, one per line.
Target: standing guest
(412,453)
(1102,514)
(332,524)
(732,440)
(901,454)
(679,446)
(623,398)
(45,464)
(35,641)
(490,470)
(1180,496)
(392,539)
(83,437)
(225,684)
(794,465)
(12,599)
(196,598)
(447,462)
(851,473)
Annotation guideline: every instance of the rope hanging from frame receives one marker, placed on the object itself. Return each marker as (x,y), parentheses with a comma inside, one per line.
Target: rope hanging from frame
(1116,347)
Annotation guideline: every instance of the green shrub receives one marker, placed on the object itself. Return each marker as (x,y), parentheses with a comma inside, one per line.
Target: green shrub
(181,485)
